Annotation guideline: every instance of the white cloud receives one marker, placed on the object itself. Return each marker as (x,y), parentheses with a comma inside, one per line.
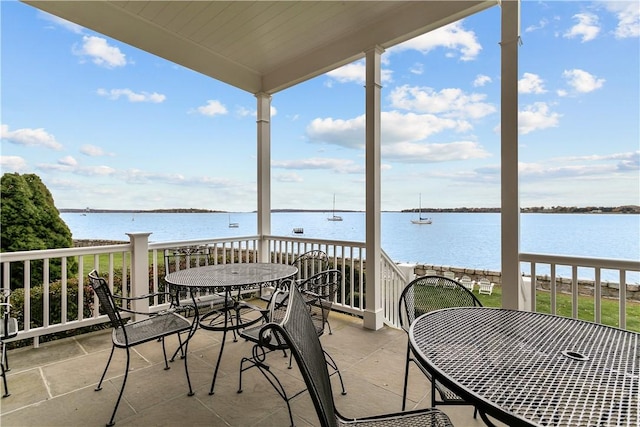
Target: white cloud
(582,81)
(70,26)
(345,133)
(587,27)
(115,94)
(540,25)
(321,163)
(93,151)
(356,73)
(288,177)
(536,117)
(450,102)
(408,152)
(406,127)
(629,161)
(12,164)
(30,137)
(246,112)
(100,52)
(531,83)
(453,37)
(68,161)
(213,108)
(417,68)
(628,14)
(481,80)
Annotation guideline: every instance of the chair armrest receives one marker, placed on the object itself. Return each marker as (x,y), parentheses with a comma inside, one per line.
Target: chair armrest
(141,296)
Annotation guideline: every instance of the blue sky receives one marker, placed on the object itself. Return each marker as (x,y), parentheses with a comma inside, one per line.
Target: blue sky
(109,126)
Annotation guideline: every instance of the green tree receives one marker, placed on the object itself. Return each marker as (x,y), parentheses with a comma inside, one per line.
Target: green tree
(29,220)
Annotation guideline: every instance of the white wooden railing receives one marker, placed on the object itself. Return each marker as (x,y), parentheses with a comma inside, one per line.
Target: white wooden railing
(579,276)
(75,307)
(72,298)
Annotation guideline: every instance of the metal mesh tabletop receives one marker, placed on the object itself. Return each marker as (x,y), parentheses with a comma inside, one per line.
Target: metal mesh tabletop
(230,275)
(533,369)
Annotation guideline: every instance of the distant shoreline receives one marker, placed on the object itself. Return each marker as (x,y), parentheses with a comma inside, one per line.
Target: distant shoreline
(629,209)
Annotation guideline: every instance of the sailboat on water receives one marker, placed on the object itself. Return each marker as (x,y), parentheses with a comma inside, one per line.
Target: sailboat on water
(334,217)
(233,224)
(421,219)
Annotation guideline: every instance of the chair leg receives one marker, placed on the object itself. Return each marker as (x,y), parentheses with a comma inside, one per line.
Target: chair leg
(99,387)
(257,361)
(5,358)
(186,367)
(124,382)
(332,363)
(4,373)
(406,379)
(179,349)
(164,353)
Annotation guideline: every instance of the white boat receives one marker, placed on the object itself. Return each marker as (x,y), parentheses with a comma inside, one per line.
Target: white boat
(334,217)
(233,224)
(421,219)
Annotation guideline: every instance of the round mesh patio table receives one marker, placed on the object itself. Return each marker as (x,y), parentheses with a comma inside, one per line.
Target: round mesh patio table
(227,279)
(533,369)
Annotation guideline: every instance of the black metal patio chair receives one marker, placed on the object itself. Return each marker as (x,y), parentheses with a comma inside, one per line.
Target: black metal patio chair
(297,331)
(422,295)
(309,264)
(189,257)
(318,291)
(127,334)
(8,330)
(181,258)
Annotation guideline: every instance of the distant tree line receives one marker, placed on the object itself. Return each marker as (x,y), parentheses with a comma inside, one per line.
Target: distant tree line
(629,209)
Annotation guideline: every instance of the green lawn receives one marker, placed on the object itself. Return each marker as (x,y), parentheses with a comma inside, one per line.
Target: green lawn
(609,312)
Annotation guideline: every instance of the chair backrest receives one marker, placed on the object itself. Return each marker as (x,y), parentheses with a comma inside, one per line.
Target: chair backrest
(297,329)
(180,259)
(428,293)
(185,257)
(9,326)
(105,297)
(310,263)
(278,303)
(320,290)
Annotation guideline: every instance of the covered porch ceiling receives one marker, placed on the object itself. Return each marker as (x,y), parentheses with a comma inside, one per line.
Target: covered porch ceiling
(261,46)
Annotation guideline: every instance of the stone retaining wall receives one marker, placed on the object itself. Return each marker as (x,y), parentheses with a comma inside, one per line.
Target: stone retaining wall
(543,283)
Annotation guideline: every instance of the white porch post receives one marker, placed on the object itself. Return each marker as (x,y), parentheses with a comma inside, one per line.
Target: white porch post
(512,296)
(264,173)
(373,314)
(139,272)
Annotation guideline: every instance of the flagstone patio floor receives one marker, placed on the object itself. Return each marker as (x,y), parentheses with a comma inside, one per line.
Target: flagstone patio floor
(53,385)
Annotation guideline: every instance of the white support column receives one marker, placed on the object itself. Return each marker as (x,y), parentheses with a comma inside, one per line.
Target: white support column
(512,296)
(264,172)
(373,314)
(139,272)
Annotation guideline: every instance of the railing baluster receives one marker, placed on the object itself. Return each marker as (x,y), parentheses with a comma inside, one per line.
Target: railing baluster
(574,291)
(623,299)
(553,288)
(597,293)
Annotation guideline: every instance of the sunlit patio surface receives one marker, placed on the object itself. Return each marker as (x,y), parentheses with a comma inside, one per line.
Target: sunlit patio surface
(53,385)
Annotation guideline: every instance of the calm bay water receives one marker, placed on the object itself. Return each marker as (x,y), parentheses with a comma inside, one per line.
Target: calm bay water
(454,239)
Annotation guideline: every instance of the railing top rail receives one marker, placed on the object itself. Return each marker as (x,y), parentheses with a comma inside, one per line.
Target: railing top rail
(312,240)
(62,252)
(165,245)
(581,261)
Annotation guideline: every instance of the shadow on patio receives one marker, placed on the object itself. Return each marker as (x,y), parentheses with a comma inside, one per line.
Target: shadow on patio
(54,385)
